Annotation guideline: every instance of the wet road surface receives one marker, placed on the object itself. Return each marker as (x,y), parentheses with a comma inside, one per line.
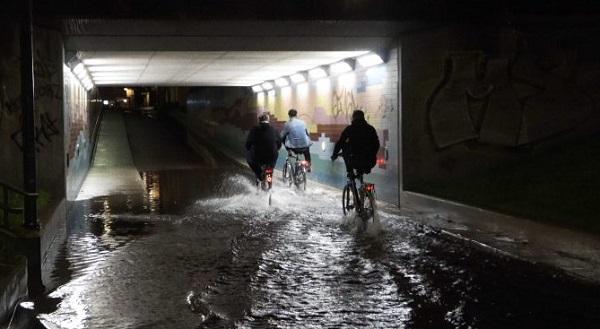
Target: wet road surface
(201,248)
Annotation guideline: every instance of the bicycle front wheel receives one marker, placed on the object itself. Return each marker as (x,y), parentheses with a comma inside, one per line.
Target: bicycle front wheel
(347,201)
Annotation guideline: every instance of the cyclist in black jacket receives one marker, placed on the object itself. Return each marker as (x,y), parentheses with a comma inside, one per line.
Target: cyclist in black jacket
(359,144)
(262,146)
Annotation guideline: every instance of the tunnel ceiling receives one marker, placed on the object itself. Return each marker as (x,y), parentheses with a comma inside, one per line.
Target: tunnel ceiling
(215,68)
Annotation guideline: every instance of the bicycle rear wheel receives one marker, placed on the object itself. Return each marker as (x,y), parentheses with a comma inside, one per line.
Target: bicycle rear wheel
(300,178)
(287,172)
(348,201)
(303,179)
(369,207)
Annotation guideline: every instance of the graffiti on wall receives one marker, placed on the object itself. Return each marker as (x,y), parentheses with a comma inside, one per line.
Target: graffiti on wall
(46,128)
(47,78)
(343,105)
(8,105)
(508,102)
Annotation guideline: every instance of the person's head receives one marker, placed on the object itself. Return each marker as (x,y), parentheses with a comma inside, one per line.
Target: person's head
(292,113)
(263,118)
(358,115)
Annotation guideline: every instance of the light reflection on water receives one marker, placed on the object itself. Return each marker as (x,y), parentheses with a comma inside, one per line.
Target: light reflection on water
(225,258)
(152,195)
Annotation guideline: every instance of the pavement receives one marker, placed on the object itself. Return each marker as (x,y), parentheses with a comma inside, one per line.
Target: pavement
(575,252)
(112,169)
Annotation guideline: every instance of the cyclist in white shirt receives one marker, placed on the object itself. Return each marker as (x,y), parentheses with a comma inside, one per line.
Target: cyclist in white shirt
(295,136)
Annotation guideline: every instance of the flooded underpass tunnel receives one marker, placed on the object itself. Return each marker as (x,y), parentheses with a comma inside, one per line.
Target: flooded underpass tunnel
(139,209)
(190,243)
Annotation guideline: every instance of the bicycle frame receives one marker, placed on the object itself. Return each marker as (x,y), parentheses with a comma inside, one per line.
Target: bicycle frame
(360,194)
(296,167)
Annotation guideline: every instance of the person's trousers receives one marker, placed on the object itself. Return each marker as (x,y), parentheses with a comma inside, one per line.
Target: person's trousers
(302,150)
(256,164)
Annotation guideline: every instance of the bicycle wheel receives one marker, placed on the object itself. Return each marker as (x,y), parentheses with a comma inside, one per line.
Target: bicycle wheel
(287,172)
(300,177)
(347,201)
(303,174)
(369,207)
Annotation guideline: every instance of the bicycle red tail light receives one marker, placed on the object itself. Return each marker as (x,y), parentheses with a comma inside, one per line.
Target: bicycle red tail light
(269,170)
(269,178)
(370,187)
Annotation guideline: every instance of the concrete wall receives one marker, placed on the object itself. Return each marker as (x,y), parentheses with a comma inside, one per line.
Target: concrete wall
(226,115)
(48,109)
(504,118)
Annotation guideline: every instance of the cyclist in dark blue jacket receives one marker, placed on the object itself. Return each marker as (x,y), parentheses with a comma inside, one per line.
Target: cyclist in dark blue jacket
(262,146)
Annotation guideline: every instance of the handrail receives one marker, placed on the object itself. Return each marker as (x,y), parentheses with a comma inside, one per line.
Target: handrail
(95,134)
(5,206)
(16,189)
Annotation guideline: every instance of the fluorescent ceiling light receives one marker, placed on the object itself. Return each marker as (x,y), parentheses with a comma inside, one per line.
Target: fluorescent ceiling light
(298,77)
(114,79)
(317,73)
(79,69)
(282,82)
(114,74)
(267,86)
(369,60)
(115,61)
(257,89)
(340,67)
(116,68)
(114,83)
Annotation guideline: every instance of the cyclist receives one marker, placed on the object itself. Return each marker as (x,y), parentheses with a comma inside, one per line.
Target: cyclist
(262,146)
(359,144)
(296,137)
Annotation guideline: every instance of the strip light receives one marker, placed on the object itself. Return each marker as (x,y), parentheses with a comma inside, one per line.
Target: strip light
(282,82)
(298,77)
(267,86)
(257,89)
(317,73)
(369,60)
(83,76)
(340,67)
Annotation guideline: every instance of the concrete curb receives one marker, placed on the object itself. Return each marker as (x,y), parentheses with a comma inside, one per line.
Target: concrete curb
(575,253)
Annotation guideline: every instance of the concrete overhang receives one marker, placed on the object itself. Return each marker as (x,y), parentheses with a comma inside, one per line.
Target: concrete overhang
(152,35)
(218,53)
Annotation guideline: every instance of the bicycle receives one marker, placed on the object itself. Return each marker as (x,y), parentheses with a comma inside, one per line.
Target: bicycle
(360,200)
(294,171)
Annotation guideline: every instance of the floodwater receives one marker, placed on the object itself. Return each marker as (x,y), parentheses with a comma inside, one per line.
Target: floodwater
(201,248)
(229,260)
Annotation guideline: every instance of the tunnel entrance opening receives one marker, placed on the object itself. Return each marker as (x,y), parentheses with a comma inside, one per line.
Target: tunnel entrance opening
(215,97)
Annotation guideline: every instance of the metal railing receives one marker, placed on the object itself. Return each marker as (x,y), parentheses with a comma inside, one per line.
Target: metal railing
(5,206)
